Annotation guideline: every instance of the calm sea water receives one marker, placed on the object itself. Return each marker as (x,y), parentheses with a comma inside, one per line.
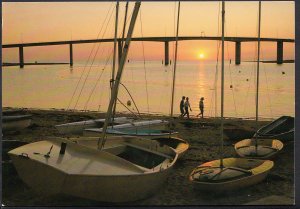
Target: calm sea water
(54,86)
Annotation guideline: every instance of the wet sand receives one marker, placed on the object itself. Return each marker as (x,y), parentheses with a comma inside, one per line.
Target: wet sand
(204,138)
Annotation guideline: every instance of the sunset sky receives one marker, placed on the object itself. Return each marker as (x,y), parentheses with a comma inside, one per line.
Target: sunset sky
(40,22)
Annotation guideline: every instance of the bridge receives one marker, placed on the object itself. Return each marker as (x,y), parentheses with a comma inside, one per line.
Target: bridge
(165,40)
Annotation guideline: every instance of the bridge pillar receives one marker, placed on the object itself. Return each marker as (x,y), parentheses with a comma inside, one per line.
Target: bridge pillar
(21,57)
(166,53)
(237,52)
(279,52)
(71,55)
(119,50)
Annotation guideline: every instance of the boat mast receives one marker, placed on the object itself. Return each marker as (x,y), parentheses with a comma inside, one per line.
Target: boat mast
(115,89)
(257,68)
(175,61)
(222,87)
(114,56)
(115,42)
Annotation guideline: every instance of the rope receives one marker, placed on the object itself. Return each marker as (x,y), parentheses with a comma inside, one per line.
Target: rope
(137,116)
(131,98)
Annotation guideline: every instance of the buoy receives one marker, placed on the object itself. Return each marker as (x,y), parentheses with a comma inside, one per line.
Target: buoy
(283,72)
(231,86)
(239,71)
(247,79)
(128,103)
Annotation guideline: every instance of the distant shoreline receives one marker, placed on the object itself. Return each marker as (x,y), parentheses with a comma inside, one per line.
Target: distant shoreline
(7,64)
(273,61)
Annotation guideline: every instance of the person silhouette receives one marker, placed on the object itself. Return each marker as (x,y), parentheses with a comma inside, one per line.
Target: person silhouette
(182,106)
(186,108)
(201,107)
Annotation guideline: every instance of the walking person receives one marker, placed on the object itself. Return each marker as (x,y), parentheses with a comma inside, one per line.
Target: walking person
(201,107)
(186,108)
(182,106)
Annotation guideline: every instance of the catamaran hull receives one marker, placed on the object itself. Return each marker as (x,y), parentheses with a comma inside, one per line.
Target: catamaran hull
(78,127)
(15,125)
(144,136)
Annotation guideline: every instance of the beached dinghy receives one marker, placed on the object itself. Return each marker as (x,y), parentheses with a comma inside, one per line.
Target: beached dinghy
(15,122)
(145,129)
(281,128)
(236,173)
(78,127)
(126,169)
(258,148)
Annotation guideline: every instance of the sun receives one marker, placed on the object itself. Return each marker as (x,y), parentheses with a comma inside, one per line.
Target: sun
(201,56)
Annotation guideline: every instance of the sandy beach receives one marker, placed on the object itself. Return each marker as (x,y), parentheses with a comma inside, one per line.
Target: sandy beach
(204,138)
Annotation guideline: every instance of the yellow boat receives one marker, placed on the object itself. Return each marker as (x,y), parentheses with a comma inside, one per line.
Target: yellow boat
(259,148)
(236,173)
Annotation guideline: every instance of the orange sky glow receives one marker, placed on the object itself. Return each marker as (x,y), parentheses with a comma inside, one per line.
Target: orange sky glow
(41,22)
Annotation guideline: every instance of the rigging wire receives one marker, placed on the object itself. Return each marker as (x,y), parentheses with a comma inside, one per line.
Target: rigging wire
(229,66)
(124,26)
(98,79)
(267,85)
(144,62)
(217,66)
(175,60)
(90,54)
(92,62)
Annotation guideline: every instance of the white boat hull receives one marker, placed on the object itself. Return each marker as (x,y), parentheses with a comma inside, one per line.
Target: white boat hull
(90,173)
(15,125)
(78,127)
(144,129)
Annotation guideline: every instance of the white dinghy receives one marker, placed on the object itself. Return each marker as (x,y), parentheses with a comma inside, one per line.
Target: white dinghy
(78,127)
(258,147)
(226,174)
(15,122)
(122,169)
(126,169)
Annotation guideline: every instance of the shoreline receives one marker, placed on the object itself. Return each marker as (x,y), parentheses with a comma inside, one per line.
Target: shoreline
(151,114)
(203,135)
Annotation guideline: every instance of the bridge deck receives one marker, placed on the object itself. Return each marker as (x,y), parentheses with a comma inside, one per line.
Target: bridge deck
(155,39)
